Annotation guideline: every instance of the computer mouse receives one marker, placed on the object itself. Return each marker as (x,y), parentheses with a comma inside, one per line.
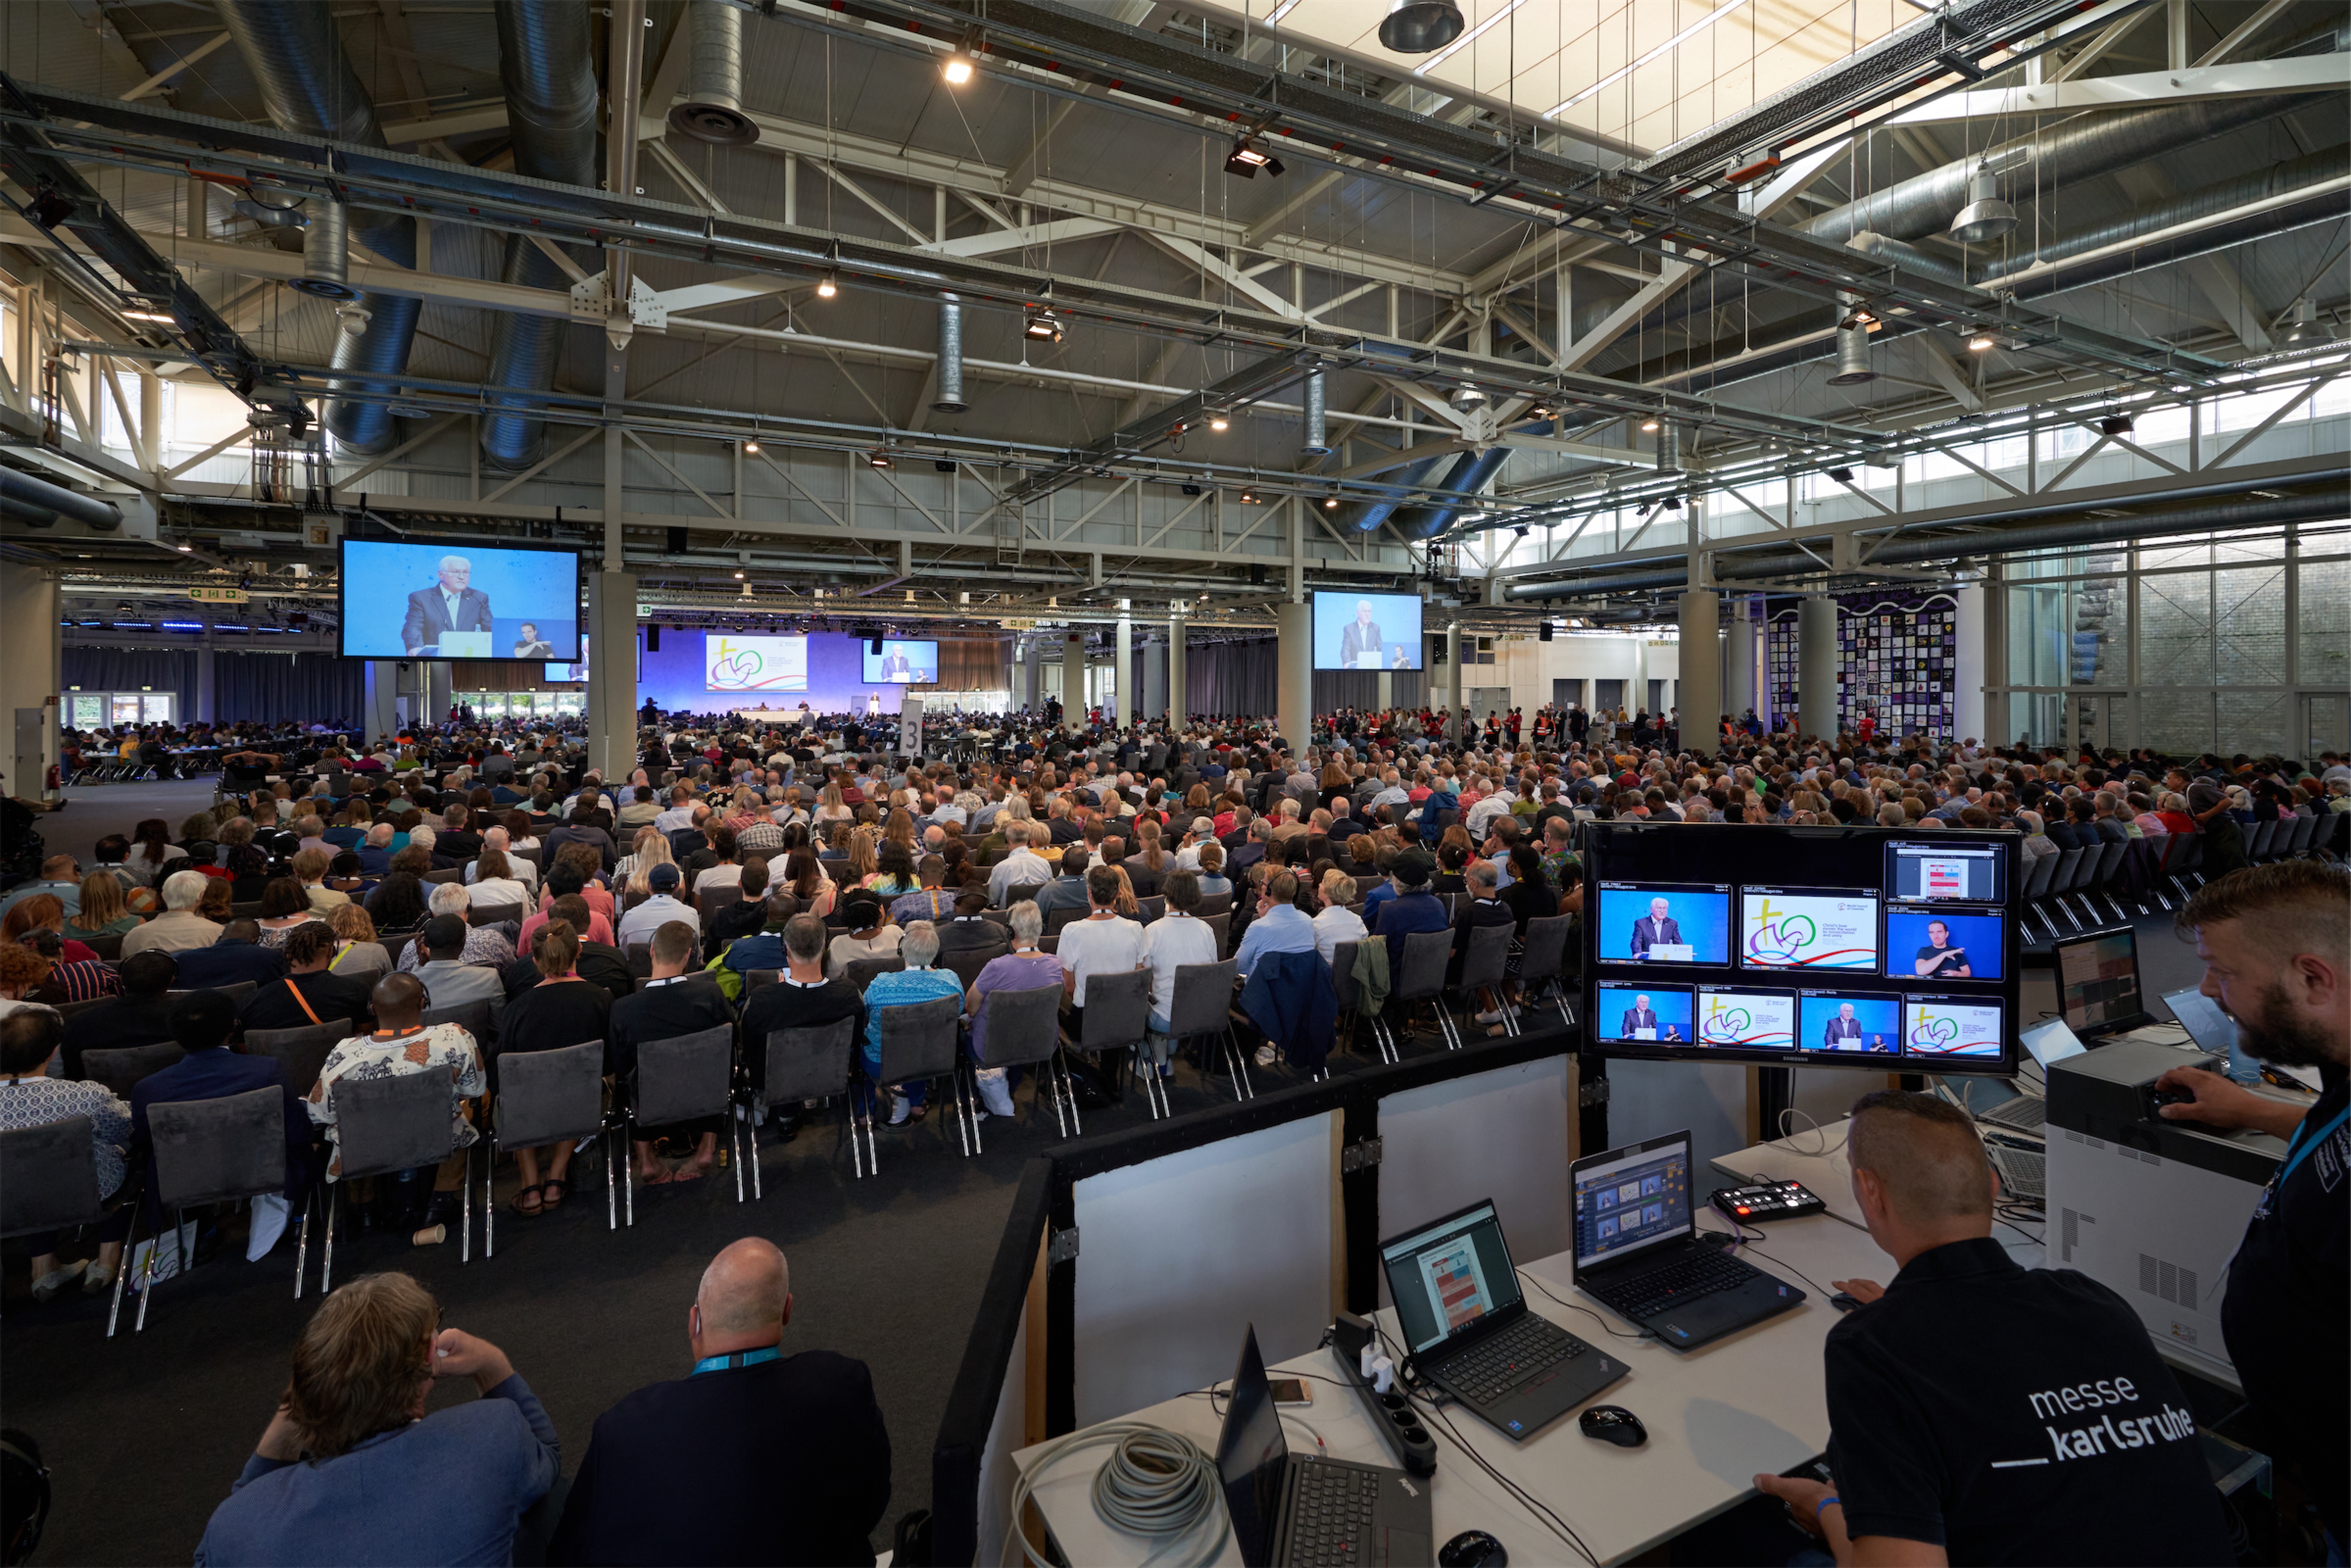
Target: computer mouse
(1843,1301)
(1613,1424)
(1472,1549)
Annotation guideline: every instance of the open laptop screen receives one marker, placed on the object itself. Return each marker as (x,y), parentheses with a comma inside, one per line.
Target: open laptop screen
(1250,1455)
(1631,1200)
(2097,980)
(1448,1275)
(2051,1042)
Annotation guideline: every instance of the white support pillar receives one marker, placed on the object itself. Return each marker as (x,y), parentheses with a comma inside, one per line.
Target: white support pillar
(1032,658)
(1155,679)
(32,674)
(1816,668)
(1968,669)
(1122,706)
(613,673)
(1739,659)
(1073,681)
(207,709)
(1701,672)
(1386,698)
(381,718)
(1453,725)
(1176,692)
(1293,653)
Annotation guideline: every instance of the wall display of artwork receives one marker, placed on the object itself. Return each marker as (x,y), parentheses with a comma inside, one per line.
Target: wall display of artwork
(1897,660)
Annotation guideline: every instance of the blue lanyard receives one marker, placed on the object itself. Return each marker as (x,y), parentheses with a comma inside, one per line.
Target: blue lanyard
(2298,1151)
(739,1358)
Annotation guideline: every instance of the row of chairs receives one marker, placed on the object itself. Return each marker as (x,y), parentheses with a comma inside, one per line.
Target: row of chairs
(2072,882)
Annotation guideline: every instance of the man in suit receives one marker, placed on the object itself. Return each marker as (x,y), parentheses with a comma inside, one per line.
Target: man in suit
(1655,928)
(449,605)
(757,1456)
(671,1003)
(895,667)
(1639,1016)
(1362,636)
(1843,1028)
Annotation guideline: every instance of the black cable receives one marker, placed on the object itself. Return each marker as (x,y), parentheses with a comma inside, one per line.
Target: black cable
(1587,1311)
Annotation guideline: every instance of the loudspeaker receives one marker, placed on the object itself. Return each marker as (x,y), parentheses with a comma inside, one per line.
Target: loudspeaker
(677,541)
(1545,635)
(652,639)
(1436,650)
(875,645)
(1257,577)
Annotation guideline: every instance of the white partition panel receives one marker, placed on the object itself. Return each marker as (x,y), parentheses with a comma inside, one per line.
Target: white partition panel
(1501,1135)
(1649,1098)
(1007,1434)
(1177,1255)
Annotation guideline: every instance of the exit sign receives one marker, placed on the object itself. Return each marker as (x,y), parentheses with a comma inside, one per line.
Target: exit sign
(217,595)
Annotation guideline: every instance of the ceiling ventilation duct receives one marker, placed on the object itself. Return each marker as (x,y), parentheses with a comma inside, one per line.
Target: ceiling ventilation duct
(1316,439)
(39,504)
(713,109)
(296,54)
(1470,473)
(1365,517)
(950,398)
(1853,357)
(551,88)
(325,254)
(1420,26)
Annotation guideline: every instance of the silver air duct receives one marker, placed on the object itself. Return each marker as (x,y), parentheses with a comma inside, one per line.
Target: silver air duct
(1316,439)
(950,393)
(713,109)
(1470,473)
(39,504)
(1853,357)
(327,253)
(296,54)
(550,89)
(1365,517)
(1908,257)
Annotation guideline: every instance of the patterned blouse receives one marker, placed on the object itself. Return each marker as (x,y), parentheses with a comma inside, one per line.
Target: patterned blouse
(36,1101)
(446,1047)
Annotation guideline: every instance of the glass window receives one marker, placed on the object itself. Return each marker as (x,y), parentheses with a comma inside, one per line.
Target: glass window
(2175,638)
(2324,633)
(2249,626)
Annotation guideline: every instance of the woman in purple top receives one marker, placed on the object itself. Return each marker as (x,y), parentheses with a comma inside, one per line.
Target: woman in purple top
(1022,969)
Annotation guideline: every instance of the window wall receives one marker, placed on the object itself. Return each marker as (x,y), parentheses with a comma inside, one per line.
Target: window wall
(2227,642)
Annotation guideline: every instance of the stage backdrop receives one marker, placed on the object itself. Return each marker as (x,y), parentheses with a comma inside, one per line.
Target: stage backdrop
(675,678)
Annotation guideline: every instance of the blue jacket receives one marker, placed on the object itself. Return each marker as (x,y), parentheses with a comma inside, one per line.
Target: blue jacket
(226,963)
(1290,996)
(1436,801)
(217,1075)
(1404,915)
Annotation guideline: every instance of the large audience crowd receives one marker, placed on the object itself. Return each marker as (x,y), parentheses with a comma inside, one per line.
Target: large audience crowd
(800,879)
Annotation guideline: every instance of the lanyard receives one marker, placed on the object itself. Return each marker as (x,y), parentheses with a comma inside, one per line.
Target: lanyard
(2298,1150)
(739,1358)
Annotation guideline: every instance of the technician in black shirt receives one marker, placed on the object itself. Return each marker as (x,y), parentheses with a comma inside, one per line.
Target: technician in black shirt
(2274,939)
(1982,1413)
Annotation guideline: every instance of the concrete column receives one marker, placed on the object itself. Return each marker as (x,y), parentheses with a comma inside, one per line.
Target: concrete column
(1739,659)
(32,676)
(1998,706)
(1816,668)
(1155,678)
(616,390)
(383,715)
(434,690)
(1701,672)
(1073,681)
(1453,679)
(1177,697)
(1124,706)
(207,693)
(1032,659)
(613,673)
(1386,698)
(1969,673)
(1294,652)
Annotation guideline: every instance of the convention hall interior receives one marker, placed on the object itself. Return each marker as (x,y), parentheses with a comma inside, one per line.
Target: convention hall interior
(1168,665)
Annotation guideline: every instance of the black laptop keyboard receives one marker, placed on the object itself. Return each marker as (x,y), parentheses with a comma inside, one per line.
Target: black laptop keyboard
(1331,1516)
(1647,1295)
(1489,1370)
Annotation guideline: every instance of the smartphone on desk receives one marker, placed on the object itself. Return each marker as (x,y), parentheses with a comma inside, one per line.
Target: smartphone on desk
(1291,1390)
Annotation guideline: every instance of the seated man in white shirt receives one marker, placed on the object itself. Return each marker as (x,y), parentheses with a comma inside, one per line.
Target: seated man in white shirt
(1104,942)
(1020,866)
(1280,926)
(521,870)
(1176,939)
(640,923)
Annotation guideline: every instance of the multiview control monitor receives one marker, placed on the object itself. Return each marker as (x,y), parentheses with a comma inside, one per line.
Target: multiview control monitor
(402,600)
(1834,945)
(1366,631)
(900,661)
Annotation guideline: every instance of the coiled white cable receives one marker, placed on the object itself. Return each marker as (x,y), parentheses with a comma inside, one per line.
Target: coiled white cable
(1154,1483)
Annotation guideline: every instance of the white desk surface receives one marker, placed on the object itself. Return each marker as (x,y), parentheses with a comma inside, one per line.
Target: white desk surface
(1715,1417)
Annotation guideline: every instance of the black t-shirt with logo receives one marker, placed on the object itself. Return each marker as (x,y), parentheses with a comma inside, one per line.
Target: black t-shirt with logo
(2286,1319)
(2014,1415)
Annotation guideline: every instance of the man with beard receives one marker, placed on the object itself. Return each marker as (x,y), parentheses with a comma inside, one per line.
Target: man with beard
(2275,940)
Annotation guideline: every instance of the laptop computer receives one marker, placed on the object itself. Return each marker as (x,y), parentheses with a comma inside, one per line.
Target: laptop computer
(1303,1513)
(2098,982)
(1469,1331)
(2050,1042)
(1637,1248)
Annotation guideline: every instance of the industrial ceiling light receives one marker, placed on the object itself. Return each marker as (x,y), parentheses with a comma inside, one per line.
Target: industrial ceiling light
(158,318)
(1649,425)
(1986,217)
(1330,504)
(1858,315)
(2300,319)
(827,283)
(1466,397)
(1981,342)
(738,577)
(2115,425)
(877,458)
(1218,420)
(1040,325)
(1248,155)
(959,67)
(1520,531)
(752,447)
(1420,26)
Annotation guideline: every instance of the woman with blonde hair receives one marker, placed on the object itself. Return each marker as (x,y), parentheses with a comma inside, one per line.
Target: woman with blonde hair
(103,911)
(901,828)
(650,849)
(350,1462)
(829,806)
(358,954)
(864,862)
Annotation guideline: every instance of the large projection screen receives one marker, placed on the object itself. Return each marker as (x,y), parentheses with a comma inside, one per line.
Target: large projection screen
(736,663)
(461,603)
(1367,631)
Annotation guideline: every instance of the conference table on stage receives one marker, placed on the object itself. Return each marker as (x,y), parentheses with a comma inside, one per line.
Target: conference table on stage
(1715,1417)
